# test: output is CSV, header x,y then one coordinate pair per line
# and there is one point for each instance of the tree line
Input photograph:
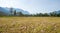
x,y
15,13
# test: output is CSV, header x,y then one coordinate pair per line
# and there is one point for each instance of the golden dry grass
x,y
29,24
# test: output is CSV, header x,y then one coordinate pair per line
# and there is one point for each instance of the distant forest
x,y
20,14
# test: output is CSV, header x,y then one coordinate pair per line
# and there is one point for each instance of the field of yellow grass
x,y
29,24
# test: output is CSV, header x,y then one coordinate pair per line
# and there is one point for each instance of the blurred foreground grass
x,y
29,24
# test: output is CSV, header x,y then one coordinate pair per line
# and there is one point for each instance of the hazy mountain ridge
x,y
7,10
57,12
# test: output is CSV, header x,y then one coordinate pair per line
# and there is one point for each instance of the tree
x,y
2,13
45,14
40,14
58,15
20,13
14,12
11,11
53,14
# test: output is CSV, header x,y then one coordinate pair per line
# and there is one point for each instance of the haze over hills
x,y
57,12
7,10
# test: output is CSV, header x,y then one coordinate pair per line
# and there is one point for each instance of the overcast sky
x,y
32,6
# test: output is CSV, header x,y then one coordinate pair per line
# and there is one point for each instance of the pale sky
x,y
32,6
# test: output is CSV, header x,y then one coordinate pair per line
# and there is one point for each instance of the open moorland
x,y
29,24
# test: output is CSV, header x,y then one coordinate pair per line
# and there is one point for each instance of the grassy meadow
x,y
29,24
